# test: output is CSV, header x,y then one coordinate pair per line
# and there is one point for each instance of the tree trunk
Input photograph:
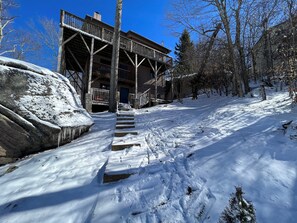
x,y
115,59
263,92
267,52
1,22
237,80
253,58
206,56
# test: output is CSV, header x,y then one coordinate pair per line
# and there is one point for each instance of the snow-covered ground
x,y
192,156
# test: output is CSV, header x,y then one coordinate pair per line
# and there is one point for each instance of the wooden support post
x,y
136,77
156,70
88,96
156,79
61,46
91,66
172,92
136,64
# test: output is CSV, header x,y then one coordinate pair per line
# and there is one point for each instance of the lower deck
x,y
101,97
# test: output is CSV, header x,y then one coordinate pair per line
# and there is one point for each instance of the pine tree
x,y
184,61
184,50
239,209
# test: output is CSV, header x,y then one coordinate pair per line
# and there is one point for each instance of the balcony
x,y
91,29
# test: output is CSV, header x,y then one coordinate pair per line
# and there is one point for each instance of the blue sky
x,y
146,17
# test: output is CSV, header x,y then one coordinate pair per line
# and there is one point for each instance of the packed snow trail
x,y
192,156
211,146
58,185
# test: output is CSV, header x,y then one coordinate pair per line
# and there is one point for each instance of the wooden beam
x,y
75,80
83,39
151,65
72,76
159,68
73,70
81,69
129,58
91,66
141,62
69,39
102,48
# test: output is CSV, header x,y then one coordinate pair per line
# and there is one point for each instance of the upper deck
x,y
101,33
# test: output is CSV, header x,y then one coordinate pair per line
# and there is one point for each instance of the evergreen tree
x,y
184,61
239,210
184,50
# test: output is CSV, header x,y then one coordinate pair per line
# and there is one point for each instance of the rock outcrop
x,y
39,109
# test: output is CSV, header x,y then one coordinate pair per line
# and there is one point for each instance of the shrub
x,y
239,209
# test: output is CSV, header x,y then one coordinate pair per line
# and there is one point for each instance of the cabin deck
x,y
76,23
85,51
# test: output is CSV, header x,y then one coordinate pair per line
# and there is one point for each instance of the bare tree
x,y
285,41
222,8
188,12
5,21
243,23
251,34
46,35
25,45
15,43
200,73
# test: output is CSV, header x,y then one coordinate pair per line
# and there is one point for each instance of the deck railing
x,y
101,96
145,98
72,21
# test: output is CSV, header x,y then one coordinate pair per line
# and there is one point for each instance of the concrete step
x,y
125,114
119,118
122,134
125,126
129,122
118,147
108,178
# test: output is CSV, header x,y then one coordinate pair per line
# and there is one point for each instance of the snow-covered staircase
x,y
125,149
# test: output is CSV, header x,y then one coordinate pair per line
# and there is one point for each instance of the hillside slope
x,y
192,155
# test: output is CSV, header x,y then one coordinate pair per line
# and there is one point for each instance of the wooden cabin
x,y
275,52
85,52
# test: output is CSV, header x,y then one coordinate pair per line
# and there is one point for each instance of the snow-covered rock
x,y
39,109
